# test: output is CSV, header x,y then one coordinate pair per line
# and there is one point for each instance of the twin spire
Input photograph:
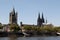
x,y
40,17
40,20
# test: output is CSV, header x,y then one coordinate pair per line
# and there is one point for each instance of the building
x,y
13,17
40,20
13,20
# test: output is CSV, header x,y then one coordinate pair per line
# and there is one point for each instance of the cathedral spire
x,y
39,15
13,10
39,21
42,18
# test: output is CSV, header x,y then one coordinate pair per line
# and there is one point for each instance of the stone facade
x,y
13,17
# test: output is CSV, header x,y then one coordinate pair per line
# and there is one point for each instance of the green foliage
x,y
14,27
57,29
27,27
1,26
48,28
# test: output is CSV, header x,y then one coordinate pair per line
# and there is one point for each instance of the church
x,y
13,17
40,21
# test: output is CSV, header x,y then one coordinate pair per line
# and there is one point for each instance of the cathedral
x,y
40,20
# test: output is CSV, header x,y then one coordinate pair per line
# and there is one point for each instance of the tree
x,y
14,27
57,29
27,27
1,26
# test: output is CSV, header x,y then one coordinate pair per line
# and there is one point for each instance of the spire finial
x,y
42,14
13,9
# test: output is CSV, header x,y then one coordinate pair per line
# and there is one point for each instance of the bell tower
x,y
13,17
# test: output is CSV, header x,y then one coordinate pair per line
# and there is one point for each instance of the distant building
x,y
40,21
13,17
13,20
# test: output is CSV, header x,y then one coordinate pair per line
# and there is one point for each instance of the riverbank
x,y
20,34
8,34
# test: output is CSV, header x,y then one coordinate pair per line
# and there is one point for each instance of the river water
x,y
31,38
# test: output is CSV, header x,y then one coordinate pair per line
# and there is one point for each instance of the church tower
x,y
13,17
39,20
43,18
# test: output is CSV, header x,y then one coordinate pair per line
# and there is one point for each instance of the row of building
x,y
13,20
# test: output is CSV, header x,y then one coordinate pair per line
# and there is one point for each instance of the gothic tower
x,y
43,18
13,17
39,20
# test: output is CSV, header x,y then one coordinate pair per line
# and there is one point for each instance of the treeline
x,y
46,28
49,28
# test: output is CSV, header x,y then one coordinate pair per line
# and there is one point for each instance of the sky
x,y
28,10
